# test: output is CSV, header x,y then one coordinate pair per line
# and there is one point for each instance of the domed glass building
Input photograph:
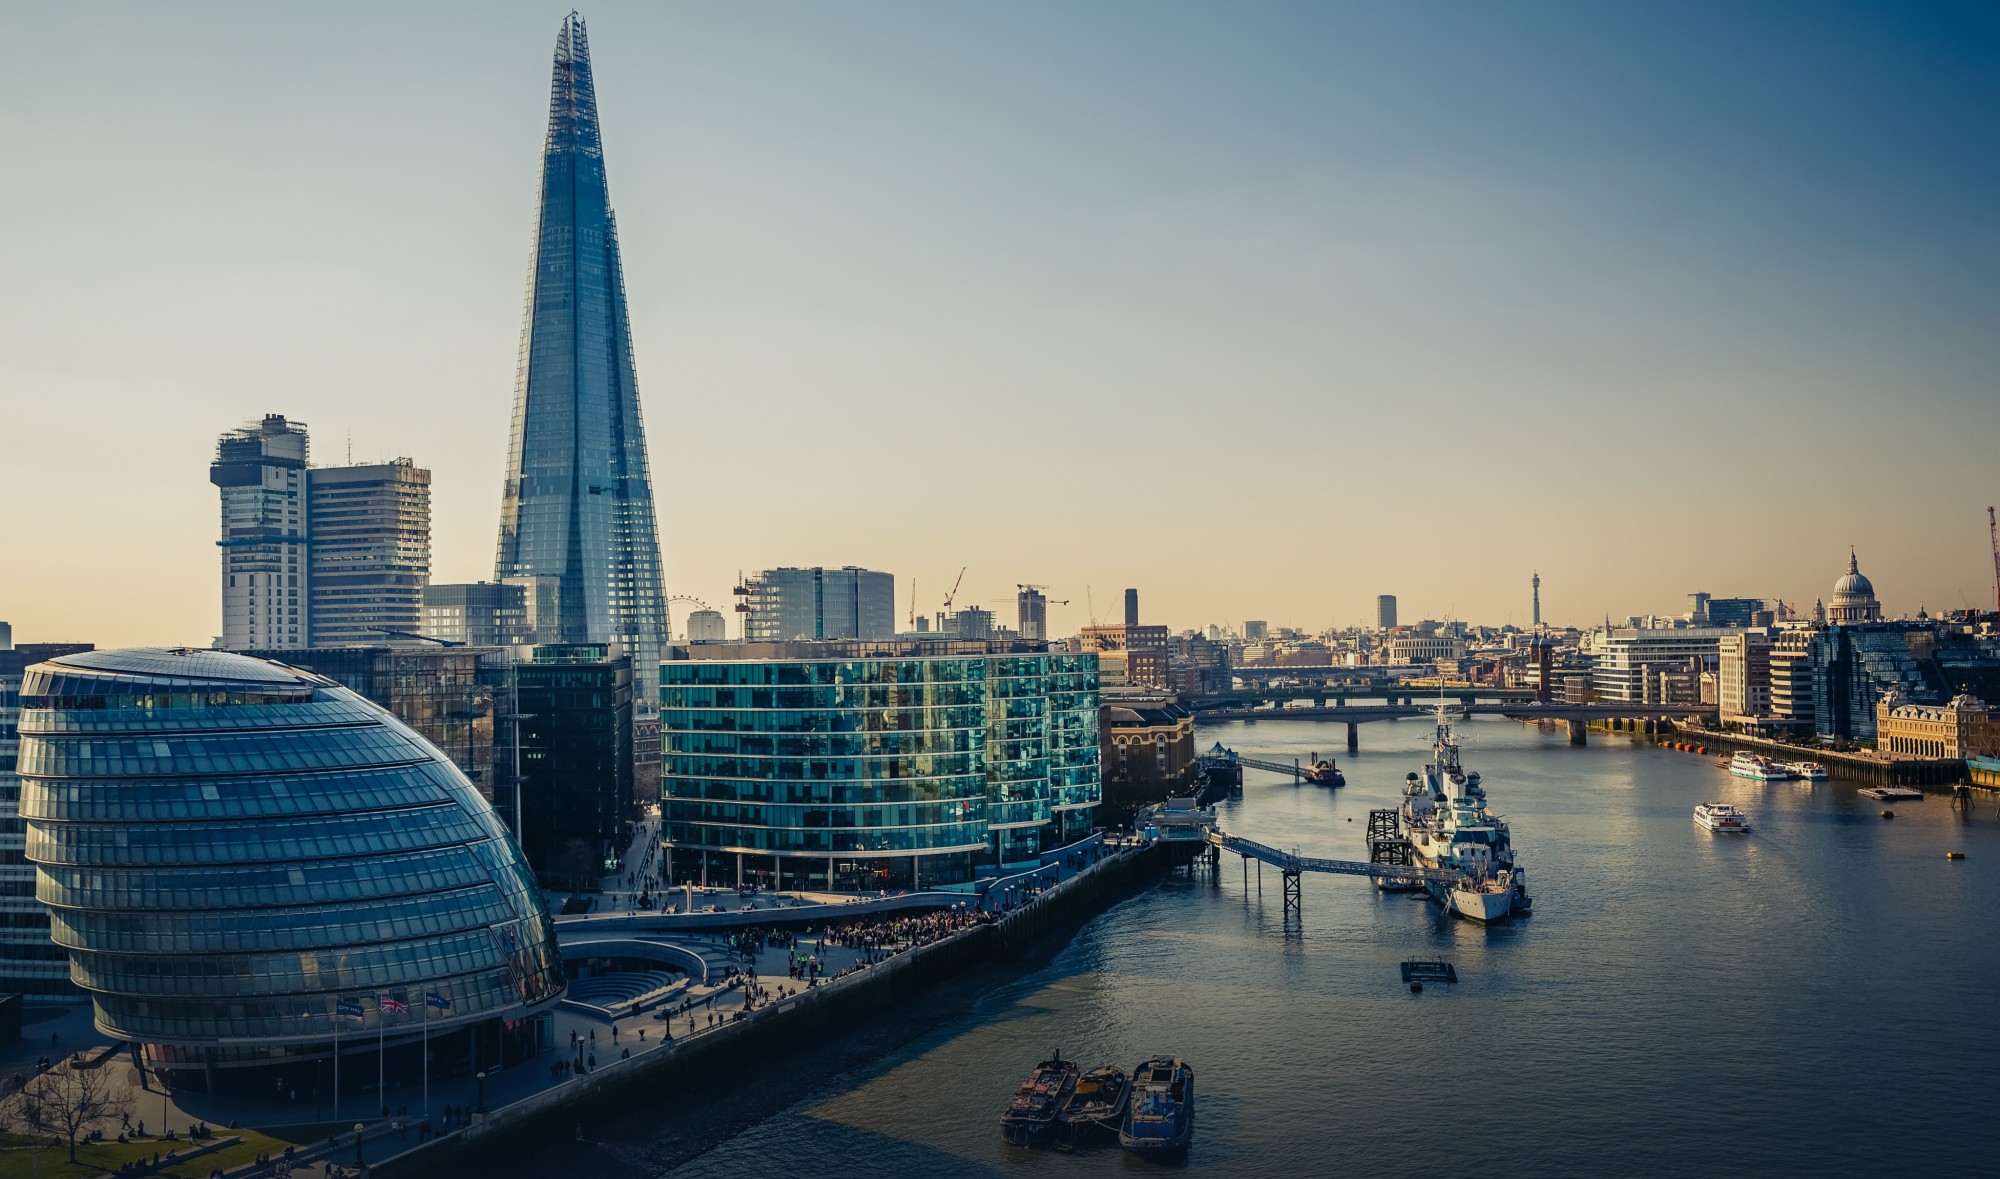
x,y
247,862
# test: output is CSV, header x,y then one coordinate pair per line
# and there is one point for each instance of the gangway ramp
x,y
1291,865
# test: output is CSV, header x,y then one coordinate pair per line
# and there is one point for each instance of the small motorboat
x,y
1807,771
1722,818
1031,1115
1160,1119
1891,793
1096,1106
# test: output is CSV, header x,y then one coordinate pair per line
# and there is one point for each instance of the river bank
x,y
715,1084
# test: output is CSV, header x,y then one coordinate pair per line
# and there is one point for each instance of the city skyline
x,y
1270,251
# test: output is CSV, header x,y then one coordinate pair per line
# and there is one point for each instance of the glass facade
x,y
232,849
873,772
578,500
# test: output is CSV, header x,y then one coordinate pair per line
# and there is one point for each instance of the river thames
x,y
1814,998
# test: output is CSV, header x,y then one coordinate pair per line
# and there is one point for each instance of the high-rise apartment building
x,y
577,504
369,536
846,603
1385,612
1032,608
261,471
322,556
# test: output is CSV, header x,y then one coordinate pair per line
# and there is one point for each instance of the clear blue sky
x,y
1265,309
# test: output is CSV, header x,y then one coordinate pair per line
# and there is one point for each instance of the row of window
x,y
142,801
271,840
698,672
824,841
263,885
227,976
313,1016
51,757
244,931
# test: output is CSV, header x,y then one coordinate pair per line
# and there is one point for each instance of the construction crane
x,y
954,587
1993,526
1091,600
913,604
1029,585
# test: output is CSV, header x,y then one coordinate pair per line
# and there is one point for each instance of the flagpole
x,y
336,1059
427,1055
381,1032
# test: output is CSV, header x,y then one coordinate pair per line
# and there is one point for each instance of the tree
x,y
67,1102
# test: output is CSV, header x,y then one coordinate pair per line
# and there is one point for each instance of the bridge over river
x,y
1576,716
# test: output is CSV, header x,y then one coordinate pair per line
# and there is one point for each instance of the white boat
x,y
1750,765
1809,771
1444,812
1721,817
1892,793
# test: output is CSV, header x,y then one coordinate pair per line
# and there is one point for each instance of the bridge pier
x,y
1293,903
1353,737
1577,729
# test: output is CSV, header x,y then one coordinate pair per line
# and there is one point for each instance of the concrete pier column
x,y
829,874
1577,729
667,865
739,870
1353,737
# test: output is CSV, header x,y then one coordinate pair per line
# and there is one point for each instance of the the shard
x,y
578,502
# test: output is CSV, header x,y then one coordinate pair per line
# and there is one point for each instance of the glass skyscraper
x,y
578,500
245,861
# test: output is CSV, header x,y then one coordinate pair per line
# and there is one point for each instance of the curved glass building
x,y
246,861
821,767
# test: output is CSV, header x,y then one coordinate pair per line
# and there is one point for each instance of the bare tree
x,y
67,1102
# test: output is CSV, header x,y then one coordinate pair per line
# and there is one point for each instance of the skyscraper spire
x,y
578,500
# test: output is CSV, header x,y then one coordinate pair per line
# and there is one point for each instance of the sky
x,y
1265,309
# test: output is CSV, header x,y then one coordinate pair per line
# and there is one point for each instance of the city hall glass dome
x,y
245,860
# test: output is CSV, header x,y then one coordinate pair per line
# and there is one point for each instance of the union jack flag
x,y
392,1003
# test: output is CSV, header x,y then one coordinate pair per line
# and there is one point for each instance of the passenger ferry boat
x,y
1444,811
1750,765
1032,1113
1721,818
1160,1119
1808,771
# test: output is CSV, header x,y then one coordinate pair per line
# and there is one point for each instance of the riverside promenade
x,y
740,1003
531,1106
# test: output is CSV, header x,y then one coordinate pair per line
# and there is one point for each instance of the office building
x,y
1622,658
973,622
1791,664
1409,650
577,504
788,605
1032,613
1131,607
859,765
260,470
1256,630
1141,649
369,535
6,636
1147,753
245,861
1385,612
706,626
1743,675
491,613
30,964
578,760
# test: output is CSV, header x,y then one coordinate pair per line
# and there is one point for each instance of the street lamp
x,y
482,1090
358,1129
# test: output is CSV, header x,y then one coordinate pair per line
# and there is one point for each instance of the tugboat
x,y
1032,1113
1444,812
1097,1105
1160,1121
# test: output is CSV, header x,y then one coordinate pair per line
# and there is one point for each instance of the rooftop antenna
x,y
350,448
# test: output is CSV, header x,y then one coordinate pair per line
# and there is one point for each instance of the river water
x,y
1815,998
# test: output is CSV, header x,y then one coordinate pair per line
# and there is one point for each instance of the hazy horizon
x,y
1264,309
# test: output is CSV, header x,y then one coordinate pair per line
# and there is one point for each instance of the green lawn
x,y
51,1162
